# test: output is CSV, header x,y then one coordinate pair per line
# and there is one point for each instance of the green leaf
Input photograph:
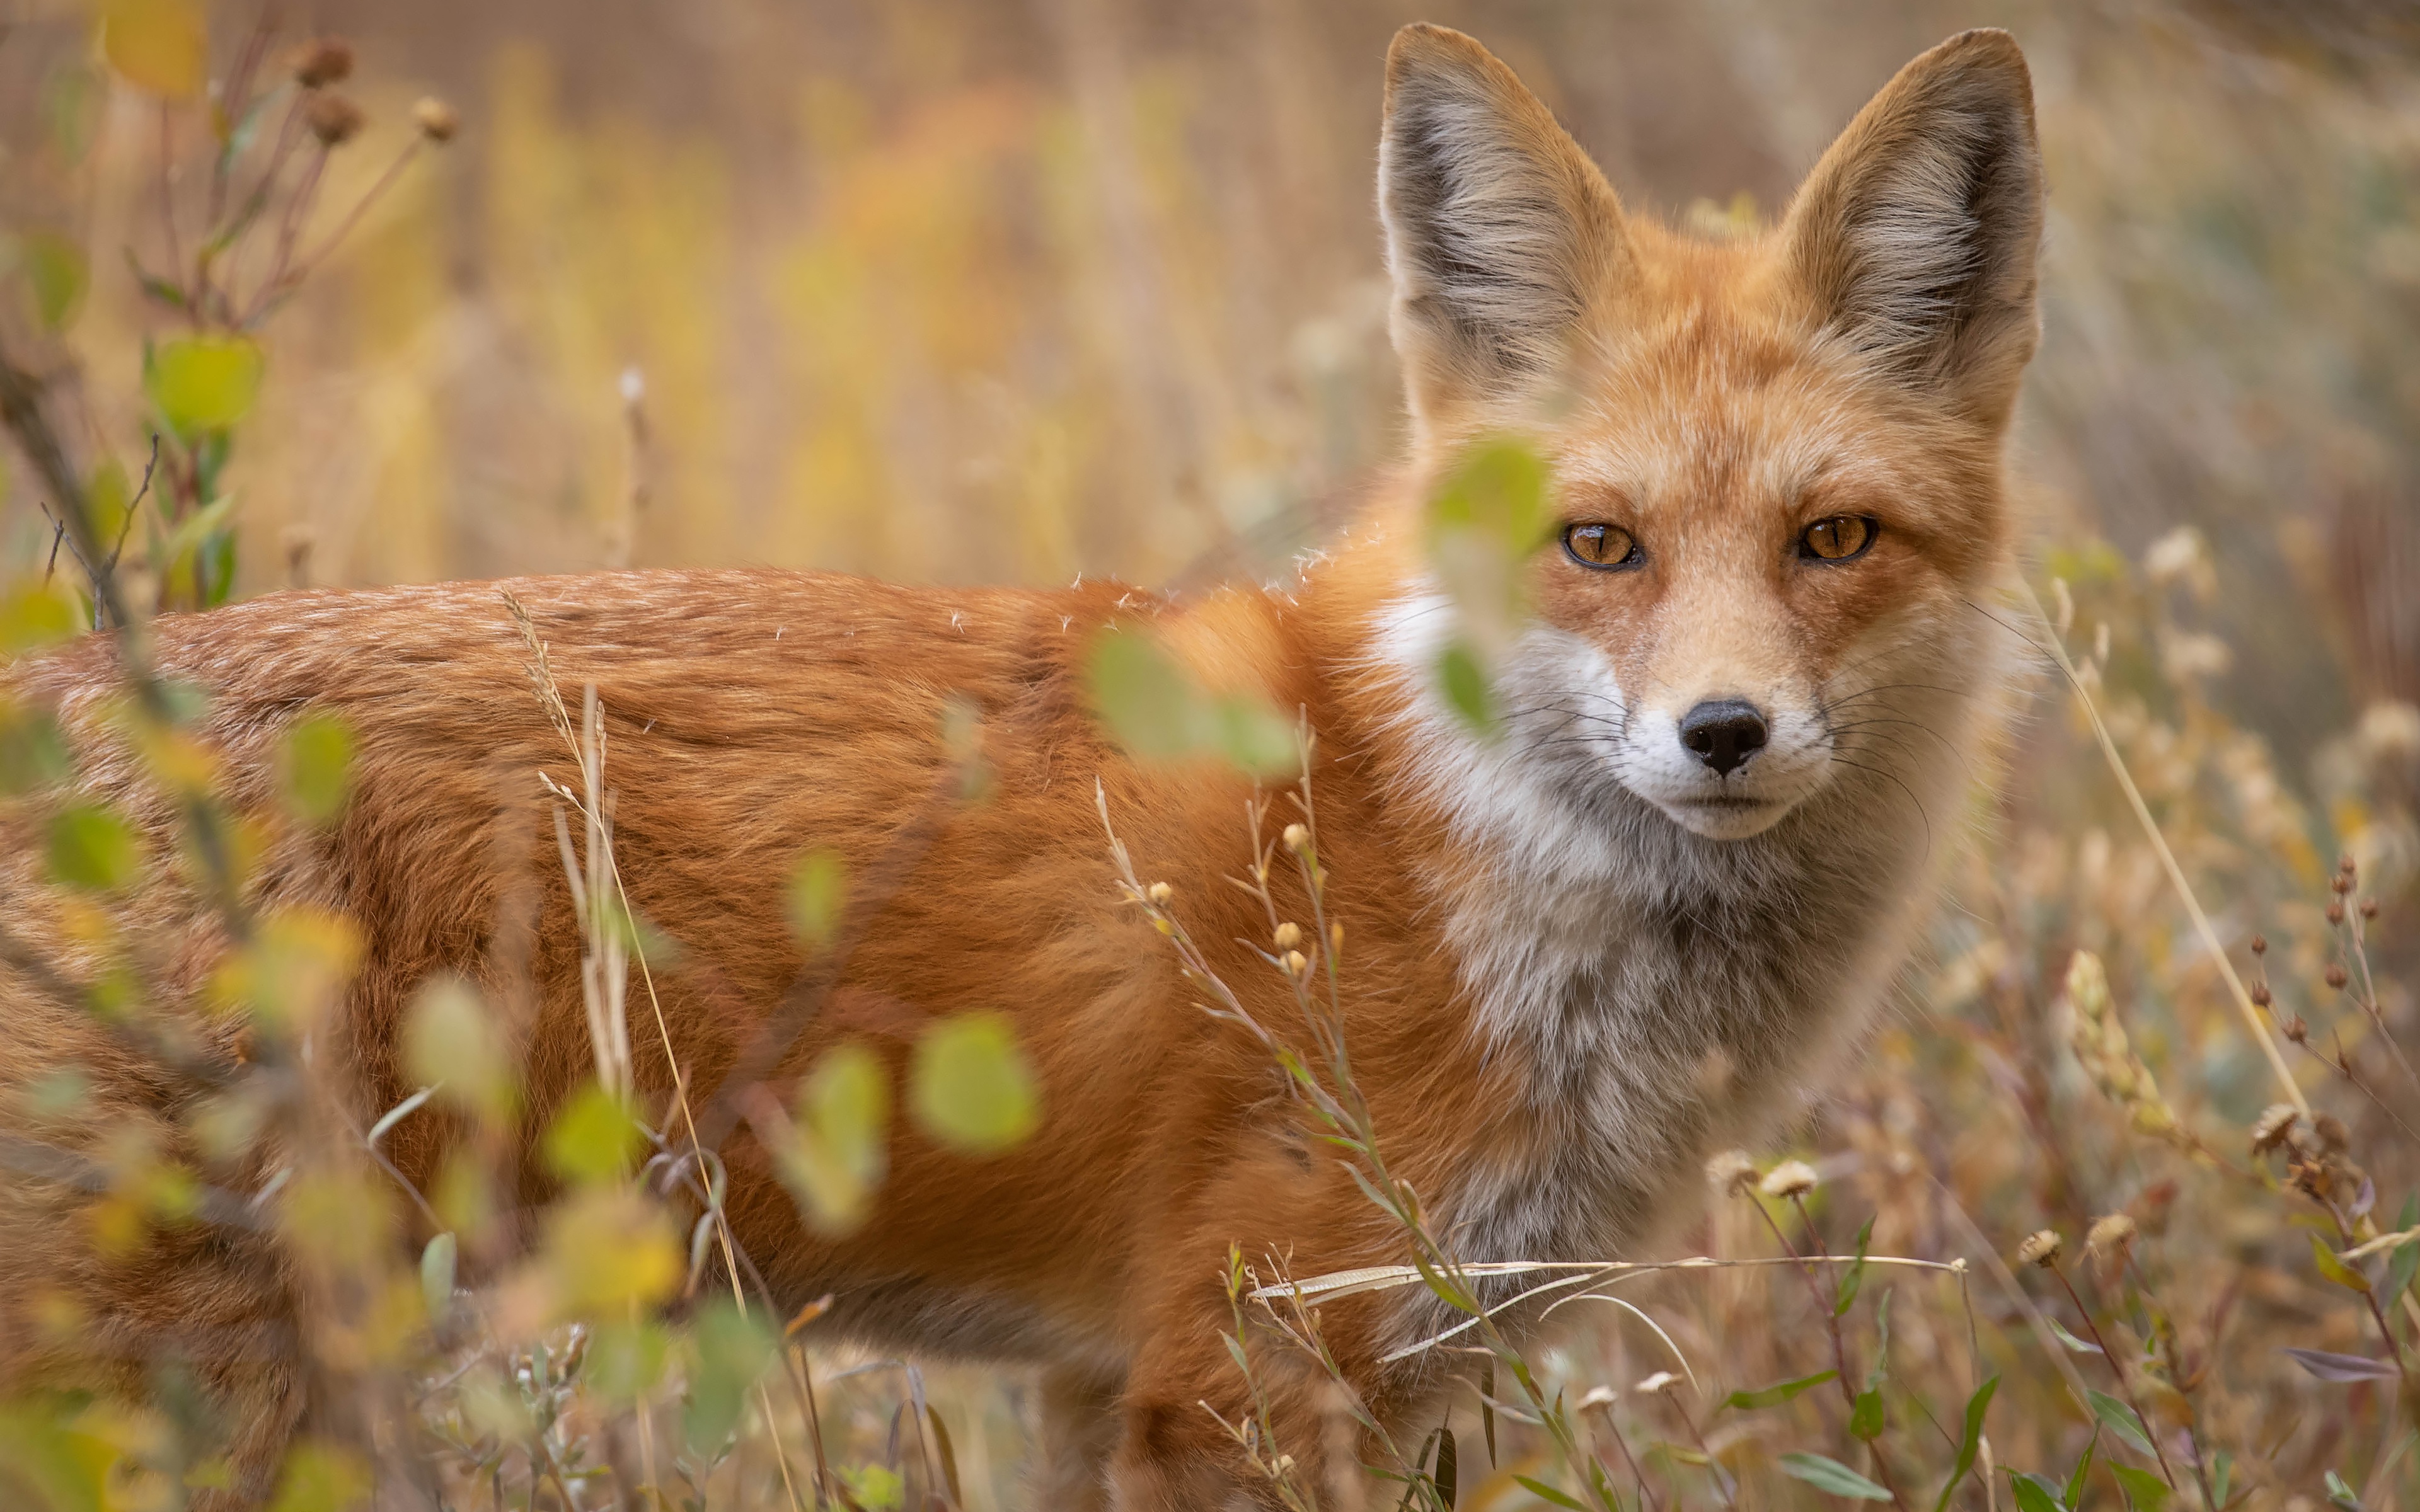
x,y
1547,1494
33,752
1970,1441
2083,1468
320,1478
91,847
1463,682
1487,1406
730,1352
2342,1496
2145,1492
594,1138
56,274
2075,1345
2121,1420
203,383
2406,1259
34,614
2034,1494
1880,1369
1776,1394
1154,710
2222,1465
970,1087
838,1150
2335,1269
1854,1276
437,1261
818,898
1447,1465
1832,1476
1865,1415
626,1359
451,1043
316,765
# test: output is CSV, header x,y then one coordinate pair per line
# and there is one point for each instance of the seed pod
x,y
2270,1130
2335,976
333,118
323,61
1289,935
1296,837
436,119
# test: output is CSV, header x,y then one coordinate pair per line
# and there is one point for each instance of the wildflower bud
x,y
1335,936
2335,913
1289,935
2270,1130
322,62
1731,1172
2261,994
2109,1236
1296,837
2345,863
2339,885
2335,976
2260,945
2041,1248
1295,966
2332,1132
1657,1383
436,119
1790,1179
2295,1028
1159,893
2369,908
333,118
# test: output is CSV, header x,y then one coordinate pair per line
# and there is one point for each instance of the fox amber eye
x,y
1600,545
1840,537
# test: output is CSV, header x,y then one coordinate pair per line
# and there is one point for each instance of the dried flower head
x,y
1662,1381
1731,1172
322,61
2260,998
1790,1179
436,119
1597,1396
333,118
2334,1136
1159,893
2270,1130
2335,913
2110,1235
2340,883
2335,974
1294,963
1296,837
2040,1247
1289,935
2369,908
2295,1028
2260,945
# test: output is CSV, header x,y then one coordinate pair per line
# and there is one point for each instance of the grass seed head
x,y
1294,963
1790,1179
1159,893
2041,1248
2110,1235
1296,837
1289,935
1731,1172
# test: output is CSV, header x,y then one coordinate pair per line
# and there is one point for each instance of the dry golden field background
x,y
963,292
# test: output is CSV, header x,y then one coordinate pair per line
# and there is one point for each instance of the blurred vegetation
x,y
946,291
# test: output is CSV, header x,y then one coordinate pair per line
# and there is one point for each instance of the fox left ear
x,y
1917,233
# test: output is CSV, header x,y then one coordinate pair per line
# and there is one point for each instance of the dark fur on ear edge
x,y
1917,233
1497,225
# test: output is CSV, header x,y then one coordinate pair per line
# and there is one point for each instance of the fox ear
x,y
1498,227
1917,232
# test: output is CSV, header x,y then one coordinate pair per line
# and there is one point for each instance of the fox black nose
x,y
1723,734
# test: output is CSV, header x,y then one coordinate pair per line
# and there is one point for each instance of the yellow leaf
x,y
973,1091
203,383
159,45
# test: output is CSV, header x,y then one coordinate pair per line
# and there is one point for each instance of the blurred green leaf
x,y
321,1477
626,1360
594,1138
1485,522
451,1041
2075,1477
1463,682
818,898
608,1249
1827,1474
91,847
1854,1276
2145,1492
836,1154
972,1089
34,615
1154,711
159,45
2406,1259
1970,1441
875,1488
2119,1419
316,765
1498,491
1547,1494
203,383
730,1351
2075,1345
437,1262
45,1448
1775,1396
2222,1475
70,94
2336,1270
56,274
2342,1496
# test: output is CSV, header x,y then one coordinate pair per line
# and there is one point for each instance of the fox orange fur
x,y
1631,929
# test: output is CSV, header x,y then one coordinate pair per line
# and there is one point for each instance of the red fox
x,y
1633,928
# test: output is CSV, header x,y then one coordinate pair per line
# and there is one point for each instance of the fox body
x,y
1634,927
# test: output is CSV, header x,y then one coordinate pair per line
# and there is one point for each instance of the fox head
x,y
1775,459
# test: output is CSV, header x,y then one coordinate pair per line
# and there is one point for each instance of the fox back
x,y
1633,922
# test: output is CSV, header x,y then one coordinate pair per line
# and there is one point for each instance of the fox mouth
x,y
1726,800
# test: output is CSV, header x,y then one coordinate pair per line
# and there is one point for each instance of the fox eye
x,y
1602,546
1840,537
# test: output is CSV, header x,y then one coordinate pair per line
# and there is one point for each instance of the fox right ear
x,y
1498,227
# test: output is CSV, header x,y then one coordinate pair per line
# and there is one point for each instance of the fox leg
x,y
1076,1406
